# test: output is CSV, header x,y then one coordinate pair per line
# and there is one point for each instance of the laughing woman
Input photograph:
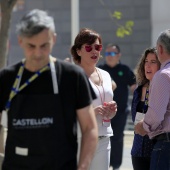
x,y
86,54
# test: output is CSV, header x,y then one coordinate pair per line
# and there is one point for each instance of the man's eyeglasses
x,y
88,48
112,54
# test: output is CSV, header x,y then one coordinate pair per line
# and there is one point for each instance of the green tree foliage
x,y
123,30
116,16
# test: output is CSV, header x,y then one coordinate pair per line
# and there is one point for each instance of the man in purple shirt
x,y
157,119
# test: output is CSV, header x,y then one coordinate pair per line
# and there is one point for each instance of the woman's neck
x,y
147,84
89,70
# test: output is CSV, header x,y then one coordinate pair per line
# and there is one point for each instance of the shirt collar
x,y
165,63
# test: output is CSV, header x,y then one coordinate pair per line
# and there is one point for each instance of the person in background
x,y
86,53
156,122
142,146
124,79
42,97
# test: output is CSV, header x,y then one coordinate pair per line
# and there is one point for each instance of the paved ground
x,y
128,139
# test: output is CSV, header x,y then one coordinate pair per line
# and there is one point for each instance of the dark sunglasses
x,y
112,54
88,48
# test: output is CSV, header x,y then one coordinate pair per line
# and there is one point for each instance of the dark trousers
x,y
141,163
118,124
160,158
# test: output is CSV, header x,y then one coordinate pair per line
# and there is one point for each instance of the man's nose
x,y
38,52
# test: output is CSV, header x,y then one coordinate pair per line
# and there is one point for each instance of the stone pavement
x,y
128,139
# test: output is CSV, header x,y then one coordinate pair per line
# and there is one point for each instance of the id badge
x,y
4,119
21,151
139,117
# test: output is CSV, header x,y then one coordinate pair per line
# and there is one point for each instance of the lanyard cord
x,y
102,99
16,89
100,93
100,82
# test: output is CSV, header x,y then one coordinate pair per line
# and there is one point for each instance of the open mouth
x,y
94,57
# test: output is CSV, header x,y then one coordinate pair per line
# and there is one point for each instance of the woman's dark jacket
x,y
142,145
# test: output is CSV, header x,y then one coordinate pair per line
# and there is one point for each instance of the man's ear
x,y
119,55
160,49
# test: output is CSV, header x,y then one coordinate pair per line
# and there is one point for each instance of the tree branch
x,y
6,10
109,12
7,4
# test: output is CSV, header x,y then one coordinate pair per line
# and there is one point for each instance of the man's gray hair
x,y
164,40
34,22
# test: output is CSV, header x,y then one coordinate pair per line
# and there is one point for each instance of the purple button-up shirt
x,y
157,118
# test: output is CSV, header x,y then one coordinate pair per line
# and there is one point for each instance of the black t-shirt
x,y
123,77
74,92
74,88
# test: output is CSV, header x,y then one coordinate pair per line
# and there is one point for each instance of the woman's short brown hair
x,y
85,36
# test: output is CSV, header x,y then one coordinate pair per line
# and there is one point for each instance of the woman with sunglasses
x,y
86,54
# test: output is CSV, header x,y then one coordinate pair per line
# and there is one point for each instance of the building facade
x,y
93,14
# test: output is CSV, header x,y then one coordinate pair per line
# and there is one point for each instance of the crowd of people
x,y
71,114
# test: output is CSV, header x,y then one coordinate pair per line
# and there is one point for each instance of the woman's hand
x,y
107,111
111,109
99,110
139,129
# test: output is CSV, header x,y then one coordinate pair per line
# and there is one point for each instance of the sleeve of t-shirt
x,y
92,91
7,77
85,93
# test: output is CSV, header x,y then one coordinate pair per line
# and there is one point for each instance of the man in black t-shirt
x,y
41,98
124,79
